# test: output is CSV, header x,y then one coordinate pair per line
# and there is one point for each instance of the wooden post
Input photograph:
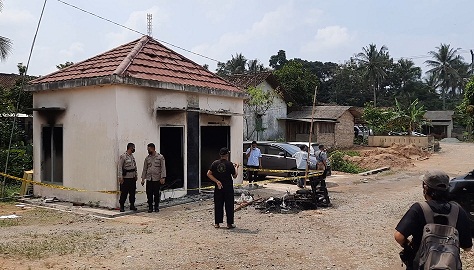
x,y
310,136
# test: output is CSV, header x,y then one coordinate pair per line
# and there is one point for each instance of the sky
x,y
314,30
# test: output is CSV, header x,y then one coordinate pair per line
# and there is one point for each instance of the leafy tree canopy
x,y
298,82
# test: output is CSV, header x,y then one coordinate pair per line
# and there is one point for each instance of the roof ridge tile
x,y
127,61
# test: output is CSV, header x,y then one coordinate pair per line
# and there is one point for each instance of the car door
x,y
273,159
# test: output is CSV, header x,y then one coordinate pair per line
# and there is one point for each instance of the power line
x,y
19,97
136,31
461,51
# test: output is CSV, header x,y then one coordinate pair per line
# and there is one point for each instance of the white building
x,y
140,92
264,126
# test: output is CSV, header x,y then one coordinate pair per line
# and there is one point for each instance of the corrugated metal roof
x,y
321,112
143,59
247,80
439,115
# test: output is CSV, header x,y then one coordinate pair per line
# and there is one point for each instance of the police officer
x,y
127,174
154,172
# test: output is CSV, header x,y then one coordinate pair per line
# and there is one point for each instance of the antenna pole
x,y
149,18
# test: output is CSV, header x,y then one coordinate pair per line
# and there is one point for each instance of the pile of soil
x,y
395,156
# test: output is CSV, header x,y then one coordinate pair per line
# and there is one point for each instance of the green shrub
x,y
339,164
20,160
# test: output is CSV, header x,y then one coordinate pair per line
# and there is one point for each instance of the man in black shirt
x,y
435,190
221,173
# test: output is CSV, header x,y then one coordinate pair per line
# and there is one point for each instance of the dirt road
x,y
357,233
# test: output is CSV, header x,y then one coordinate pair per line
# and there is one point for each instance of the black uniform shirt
x,y
413,222
223,170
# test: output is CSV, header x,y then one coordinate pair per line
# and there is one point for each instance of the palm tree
x,y
432,81
254,66
236,65
5,43
374,63
407,71
443,65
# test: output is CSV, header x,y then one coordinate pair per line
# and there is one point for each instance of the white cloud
x,y
313,16
276,24
74,49
218,13
15,17
328,38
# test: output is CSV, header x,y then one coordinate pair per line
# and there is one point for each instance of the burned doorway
x,y
52,154
172,148
213,138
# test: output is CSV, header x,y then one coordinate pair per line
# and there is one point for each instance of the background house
x,y
333,125
263,126
141,92
441,124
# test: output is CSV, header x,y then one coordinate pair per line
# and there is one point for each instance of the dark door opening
x,y
171,147
52,154
213,138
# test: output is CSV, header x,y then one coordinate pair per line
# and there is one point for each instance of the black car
x,y
461,190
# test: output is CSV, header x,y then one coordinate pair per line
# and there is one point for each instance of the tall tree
x,y
298,82
5,43
279,60
374,63
465,110
254,66
236,65
443,65
348,86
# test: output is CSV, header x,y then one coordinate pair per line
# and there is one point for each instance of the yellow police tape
x,y
313,173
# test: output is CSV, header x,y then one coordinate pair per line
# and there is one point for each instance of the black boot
x,y
122,208
157,209
150,208
132,207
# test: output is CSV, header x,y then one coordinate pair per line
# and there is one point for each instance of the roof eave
x,y
115,79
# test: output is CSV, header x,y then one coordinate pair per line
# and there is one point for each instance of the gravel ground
x,y
356,233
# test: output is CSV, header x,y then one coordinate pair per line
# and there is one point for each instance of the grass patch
x,y
38,246
11,190
339,164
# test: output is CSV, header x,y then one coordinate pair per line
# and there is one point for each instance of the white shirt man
x,y
301,163
254,161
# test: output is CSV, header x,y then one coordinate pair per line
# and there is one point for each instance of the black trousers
x,y
128,188
253,175
153,193
224,198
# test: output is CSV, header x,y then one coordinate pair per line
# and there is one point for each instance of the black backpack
x,y
439,248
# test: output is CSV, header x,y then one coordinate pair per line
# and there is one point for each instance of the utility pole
x,y
149,18
310,136
472,61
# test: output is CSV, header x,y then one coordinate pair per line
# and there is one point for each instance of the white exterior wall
x,y
216,103
100,121
274,129
138,123
89,142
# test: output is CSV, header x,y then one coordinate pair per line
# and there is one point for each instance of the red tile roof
x,y
8,80
144,61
